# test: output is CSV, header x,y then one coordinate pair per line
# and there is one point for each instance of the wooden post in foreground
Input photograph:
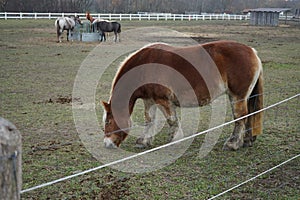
x,y
10,161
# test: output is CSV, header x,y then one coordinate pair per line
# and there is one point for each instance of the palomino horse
x,y
230,67
103,26
66,23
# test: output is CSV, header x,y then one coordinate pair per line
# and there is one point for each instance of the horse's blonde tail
x,y
255,103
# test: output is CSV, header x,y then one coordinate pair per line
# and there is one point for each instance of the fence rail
x,y
120,17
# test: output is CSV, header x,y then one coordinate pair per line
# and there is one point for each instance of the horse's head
x,y
77,20
114,135
89,17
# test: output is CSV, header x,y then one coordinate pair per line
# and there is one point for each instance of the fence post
x,y
10,161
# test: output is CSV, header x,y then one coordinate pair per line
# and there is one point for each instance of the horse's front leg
x,y
169,111
116,36
71,33
103,37
175,132
236,140
148,134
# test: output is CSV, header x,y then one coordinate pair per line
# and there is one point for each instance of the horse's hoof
x,y
143,143
229,147
232,144
248,142
140,146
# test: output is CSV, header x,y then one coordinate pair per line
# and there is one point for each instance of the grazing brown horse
x,y
211,70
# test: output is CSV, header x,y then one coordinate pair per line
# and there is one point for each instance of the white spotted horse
x,y
66,23
240,77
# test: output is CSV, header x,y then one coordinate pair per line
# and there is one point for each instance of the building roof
x,y
269,10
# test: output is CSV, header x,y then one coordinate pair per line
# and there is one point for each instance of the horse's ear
x,y
106,106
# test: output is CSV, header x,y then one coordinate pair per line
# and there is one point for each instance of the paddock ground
x,y
37,76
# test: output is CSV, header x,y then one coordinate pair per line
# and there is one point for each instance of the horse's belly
x,y
190,99
197,97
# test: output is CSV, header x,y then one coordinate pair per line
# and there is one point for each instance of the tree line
x,y
134,6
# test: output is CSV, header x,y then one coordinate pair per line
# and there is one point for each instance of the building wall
x,y
264,18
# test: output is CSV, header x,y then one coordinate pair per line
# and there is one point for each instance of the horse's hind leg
x,y
59,33
149,131
236,140
68,35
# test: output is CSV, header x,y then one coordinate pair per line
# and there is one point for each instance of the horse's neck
x,y
91,19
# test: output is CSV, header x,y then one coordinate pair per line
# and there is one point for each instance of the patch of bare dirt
x,y
58,100
201,40
50,146
115,188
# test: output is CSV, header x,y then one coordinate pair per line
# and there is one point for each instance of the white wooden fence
x,y
120,17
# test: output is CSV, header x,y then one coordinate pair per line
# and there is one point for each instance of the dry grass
x,y
37,76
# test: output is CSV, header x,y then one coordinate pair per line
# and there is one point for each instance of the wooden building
x,y
266,16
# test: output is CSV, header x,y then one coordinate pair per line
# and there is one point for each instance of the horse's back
x,y
107,26
221,65
229,56
238,64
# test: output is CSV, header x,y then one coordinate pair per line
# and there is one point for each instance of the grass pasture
x,y
36,83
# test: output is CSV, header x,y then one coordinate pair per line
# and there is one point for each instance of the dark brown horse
x,y
210,70
104,26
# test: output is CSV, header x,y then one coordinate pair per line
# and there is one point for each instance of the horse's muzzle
x,y
109,144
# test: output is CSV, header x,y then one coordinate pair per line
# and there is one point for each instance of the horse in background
x,y
93,24
226,68
107,26
66,23
103,26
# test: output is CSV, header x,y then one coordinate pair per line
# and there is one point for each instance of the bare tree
x,y
3,4
133,6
